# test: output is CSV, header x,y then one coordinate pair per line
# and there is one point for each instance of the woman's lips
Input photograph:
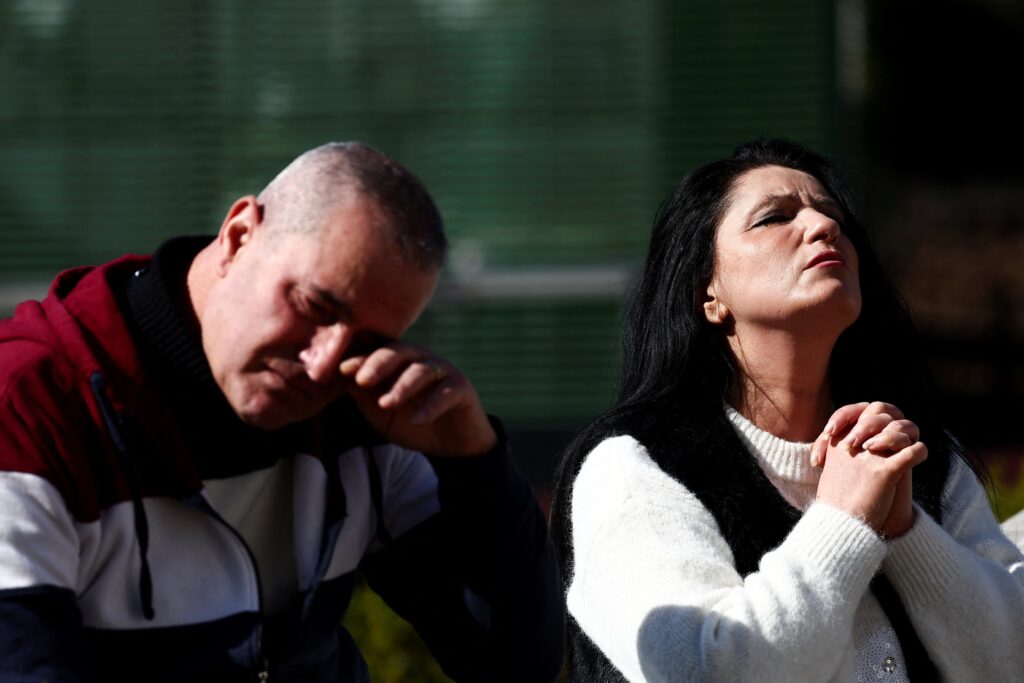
x,y
826,259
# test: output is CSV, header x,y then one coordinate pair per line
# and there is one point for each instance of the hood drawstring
x,y
117,429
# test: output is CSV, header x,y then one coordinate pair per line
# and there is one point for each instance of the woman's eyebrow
x,y
770,201
826,202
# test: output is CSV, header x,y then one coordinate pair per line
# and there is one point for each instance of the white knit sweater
x,y
655,588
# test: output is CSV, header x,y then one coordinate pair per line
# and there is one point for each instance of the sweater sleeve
x,y
478,579
41,634
40,625
655,588
963,585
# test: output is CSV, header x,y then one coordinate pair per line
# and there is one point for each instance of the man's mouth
x,y
290,382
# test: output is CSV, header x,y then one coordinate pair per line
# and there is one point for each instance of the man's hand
x,y
868,452
419,401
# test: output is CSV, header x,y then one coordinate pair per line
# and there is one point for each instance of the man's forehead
x,y
362,280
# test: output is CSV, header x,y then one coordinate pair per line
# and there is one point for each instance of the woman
x,y
703,537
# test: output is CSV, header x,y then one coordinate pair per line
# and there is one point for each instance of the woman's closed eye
x,y
771,219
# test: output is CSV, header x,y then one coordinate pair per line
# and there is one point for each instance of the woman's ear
x,y
716,312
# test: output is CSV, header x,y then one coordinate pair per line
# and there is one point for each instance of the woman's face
x,y
782,260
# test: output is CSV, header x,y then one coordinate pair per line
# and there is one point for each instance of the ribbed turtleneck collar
x,y
157,307
780,459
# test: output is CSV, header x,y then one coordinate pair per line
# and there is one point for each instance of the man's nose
x,y
820,226
325,350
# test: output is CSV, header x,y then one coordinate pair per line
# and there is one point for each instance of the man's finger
x,y
387,361
413,380
350,366
442,398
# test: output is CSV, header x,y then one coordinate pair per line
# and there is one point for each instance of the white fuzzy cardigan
x,y
655,588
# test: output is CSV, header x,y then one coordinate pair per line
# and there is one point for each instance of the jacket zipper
x,y
264,672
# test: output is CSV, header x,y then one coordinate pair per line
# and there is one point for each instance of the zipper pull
x,y
264,675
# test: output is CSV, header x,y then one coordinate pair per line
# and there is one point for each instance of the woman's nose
x,y
324,353
820,226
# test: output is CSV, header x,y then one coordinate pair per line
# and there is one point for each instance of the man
x,y
200,451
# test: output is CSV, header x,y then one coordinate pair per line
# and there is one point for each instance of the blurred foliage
x,y
393,651
1007,490
391,647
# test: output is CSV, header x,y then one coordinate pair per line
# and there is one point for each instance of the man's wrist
x,y
488,438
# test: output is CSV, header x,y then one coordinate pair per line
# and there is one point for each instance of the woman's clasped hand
x,y
867,453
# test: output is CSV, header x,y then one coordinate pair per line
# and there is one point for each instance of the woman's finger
x,y
819,448
896,436
843,418
909,457
837,424
881,407
868,425
887,442
863,421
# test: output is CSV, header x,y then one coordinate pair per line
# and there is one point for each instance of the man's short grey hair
x,y
301,197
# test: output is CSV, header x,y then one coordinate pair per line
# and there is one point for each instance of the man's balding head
x,y
302,197
339,254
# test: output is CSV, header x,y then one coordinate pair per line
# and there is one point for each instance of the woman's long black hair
x,y
673,355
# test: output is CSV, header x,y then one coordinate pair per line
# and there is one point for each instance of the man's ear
x,y
716,312
237,229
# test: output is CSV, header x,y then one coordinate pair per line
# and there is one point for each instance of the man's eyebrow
x,y
330,300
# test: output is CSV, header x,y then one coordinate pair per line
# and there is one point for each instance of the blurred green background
x,y
548,132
